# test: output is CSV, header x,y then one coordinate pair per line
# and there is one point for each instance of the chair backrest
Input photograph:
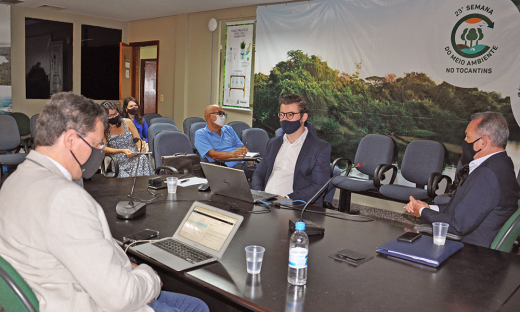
x,y
24,123
34,120
239,126
156,128
188,122
373,150
162,120
169,142
9,133
421,159
508,233
193,128
149,116
255,139
15,294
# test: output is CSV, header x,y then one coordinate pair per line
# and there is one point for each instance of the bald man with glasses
x,y
219,141
297,164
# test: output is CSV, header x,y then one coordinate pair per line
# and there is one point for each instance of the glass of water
x,y
254,257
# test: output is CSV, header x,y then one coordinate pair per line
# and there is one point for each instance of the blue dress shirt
x,y
142,129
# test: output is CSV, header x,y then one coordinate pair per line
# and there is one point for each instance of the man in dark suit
x,y
297,164
489,195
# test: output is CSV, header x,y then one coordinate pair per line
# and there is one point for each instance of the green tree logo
x,y
472,26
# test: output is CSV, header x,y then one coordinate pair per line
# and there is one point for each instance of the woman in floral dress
x,y
120,135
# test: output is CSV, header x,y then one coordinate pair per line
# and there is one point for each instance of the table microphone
x,y
312,228
130,210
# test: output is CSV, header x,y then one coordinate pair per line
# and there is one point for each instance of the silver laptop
x,y
232,183
202,237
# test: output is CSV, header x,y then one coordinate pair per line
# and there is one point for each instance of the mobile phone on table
x,y
409,237
142,235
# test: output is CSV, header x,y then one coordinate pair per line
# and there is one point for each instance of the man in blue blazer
x,y
489,195
297,164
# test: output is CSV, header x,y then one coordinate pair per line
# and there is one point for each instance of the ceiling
x,y
132,10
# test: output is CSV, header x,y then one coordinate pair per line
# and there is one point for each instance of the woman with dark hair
x,y
131,111
121,143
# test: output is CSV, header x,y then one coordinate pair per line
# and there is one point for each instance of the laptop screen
x,y
208,228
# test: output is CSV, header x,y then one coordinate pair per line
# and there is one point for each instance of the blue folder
x,y
422,250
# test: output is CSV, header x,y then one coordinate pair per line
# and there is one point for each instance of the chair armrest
x,y
434,181
28,144
428,229
379,174
116,166
172,169
336,161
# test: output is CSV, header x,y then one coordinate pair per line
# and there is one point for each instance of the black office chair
x,y
508,234
374,154
193,128
255,140
152,132
168,143
15,294
9,142
239,126
29,142
188,122
149,116
423,162
162,120
24,128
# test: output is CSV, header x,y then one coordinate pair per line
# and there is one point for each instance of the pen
x,y
185,180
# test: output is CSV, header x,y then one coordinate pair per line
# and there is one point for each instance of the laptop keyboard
x,y
182,251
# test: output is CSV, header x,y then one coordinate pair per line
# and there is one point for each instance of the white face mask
x,y
221,121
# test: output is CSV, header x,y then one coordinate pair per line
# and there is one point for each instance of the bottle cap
x,y
300,226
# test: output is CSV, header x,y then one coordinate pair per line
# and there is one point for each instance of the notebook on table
x,y
202,237
422,250
232,183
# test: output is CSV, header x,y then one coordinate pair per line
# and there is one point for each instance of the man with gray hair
x,y
489,195
56,235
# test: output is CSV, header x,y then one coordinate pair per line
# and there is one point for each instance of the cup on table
x,y
172,184
440,229
254,257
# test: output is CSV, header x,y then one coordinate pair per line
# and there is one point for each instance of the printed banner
x,y
238,69
410,69
6,98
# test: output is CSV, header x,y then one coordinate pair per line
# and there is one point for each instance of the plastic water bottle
x,y
298,255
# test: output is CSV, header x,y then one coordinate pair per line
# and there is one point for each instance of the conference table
x,y
473,279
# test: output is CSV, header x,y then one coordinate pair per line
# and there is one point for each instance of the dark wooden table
x,y
474,279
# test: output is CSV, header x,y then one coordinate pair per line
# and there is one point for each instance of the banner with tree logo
x,y
238,69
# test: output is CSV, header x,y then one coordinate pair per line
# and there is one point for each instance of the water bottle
x,y
298,254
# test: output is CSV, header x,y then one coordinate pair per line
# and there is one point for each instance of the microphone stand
x,y
130,210
312,228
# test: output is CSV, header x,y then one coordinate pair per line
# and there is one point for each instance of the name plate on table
x,y
422,250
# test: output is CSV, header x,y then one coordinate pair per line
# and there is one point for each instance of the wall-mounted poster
x,y
6,99
238,69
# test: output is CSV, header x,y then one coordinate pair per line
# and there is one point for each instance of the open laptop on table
x,y
232,183
202,237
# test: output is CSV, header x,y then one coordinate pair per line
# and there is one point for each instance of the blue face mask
x,y
289,127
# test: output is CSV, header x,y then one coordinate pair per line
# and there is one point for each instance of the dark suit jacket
x,y
482,204
311,172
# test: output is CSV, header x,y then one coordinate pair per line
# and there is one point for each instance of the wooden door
x,y
149,86
126,72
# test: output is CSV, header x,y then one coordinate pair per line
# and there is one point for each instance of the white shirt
x,y
472,166
281,180
65,172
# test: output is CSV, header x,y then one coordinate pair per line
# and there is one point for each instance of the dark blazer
x,y
311,172
482,204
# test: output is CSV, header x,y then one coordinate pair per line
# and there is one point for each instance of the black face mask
x,y
133,111
93,162
115,121
290,127
468,152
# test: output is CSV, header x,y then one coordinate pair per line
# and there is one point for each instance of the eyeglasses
x,y
112,116
99,145
289,115
219,113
